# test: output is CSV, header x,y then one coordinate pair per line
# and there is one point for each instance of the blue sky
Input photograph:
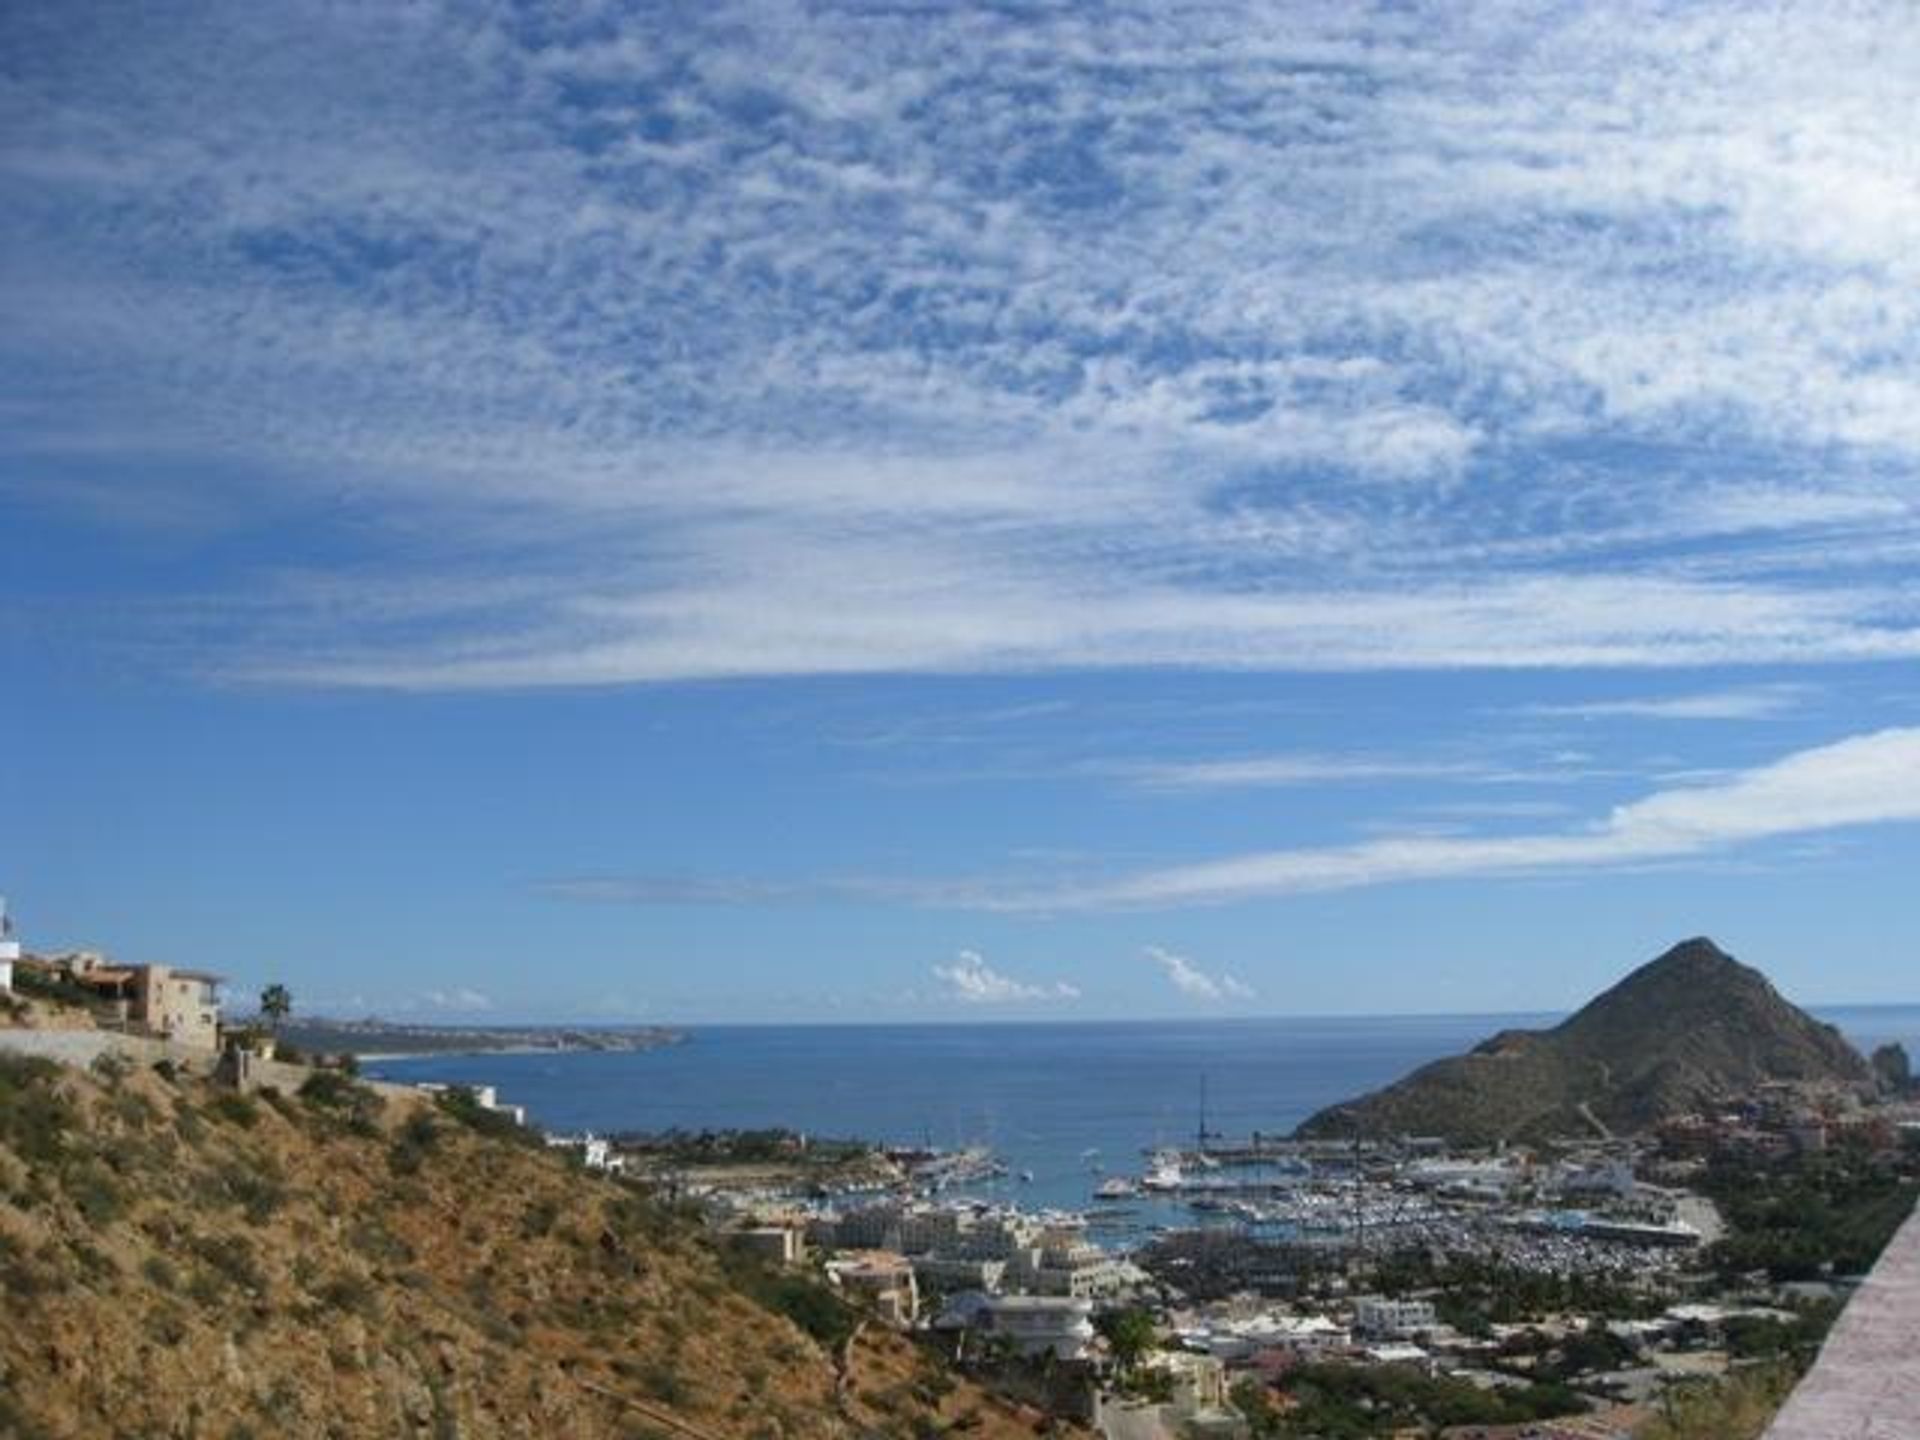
x,y
891,511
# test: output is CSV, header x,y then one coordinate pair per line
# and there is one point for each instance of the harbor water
x,y
1069,1104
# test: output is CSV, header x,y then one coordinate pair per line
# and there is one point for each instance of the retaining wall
x,y
81,1048
1866,1383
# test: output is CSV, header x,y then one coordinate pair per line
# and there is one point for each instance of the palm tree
x,y
276,1003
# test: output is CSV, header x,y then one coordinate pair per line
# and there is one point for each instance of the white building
x,y
1037,1324
1239,1339
484,1096
9,948
1605,1177
1079,1269
595,1153
1375,1315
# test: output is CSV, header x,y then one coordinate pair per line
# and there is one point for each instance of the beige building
x,y
883,1279
182,1005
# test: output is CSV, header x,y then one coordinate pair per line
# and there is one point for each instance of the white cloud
x,y
831,342
970,980
1292,770
1866,779
1763,702
461,999
1192,981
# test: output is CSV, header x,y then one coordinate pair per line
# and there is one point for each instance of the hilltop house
x,y
182,1005
179,1005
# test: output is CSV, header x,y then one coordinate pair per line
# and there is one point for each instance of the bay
x,y
1065,1102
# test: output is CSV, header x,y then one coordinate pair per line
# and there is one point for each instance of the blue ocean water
x,y
1066,1102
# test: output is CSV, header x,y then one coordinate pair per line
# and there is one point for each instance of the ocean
x,y
1067,1103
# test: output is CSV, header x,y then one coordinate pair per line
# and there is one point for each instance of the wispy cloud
x,y
1293,770
970,980
842,341
736,890
461,998
1864,780
1762,702
1190,980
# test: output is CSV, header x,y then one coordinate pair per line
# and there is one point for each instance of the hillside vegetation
x,y
180,1261
1688,1029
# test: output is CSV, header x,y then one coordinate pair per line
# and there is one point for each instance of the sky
x,y
762,512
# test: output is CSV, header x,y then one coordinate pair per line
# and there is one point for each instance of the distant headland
x,y
370,1037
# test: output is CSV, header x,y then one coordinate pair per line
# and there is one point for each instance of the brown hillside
x,y
178,1261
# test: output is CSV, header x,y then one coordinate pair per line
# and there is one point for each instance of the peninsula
x,y
388,1038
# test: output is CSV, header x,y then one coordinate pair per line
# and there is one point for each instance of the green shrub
x,y
94,1193
34,1117
537,1219
353,1294
235,1109
662,1382
228,1258
413,1144
166,1326
258,1195
461,1103
338,1094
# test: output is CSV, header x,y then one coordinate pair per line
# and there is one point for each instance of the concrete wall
x,y
81,1048
1866,1383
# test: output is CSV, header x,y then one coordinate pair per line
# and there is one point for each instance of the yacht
x,y
1116,1187
1165,1172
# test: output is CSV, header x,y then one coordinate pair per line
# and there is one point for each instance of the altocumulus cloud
x,y
972,981
735,340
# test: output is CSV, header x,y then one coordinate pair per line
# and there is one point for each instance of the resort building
x,y
1040,1324
1081,1269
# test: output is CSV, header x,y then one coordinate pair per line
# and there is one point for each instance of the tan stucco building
x,y
181,1005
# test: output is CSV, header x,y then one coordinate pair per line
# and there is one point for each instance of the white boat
x,y
1118,1187
1165,1174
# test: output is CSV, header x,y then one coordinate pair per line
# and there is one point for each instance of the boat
x,y
1117,1187
1165,1174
